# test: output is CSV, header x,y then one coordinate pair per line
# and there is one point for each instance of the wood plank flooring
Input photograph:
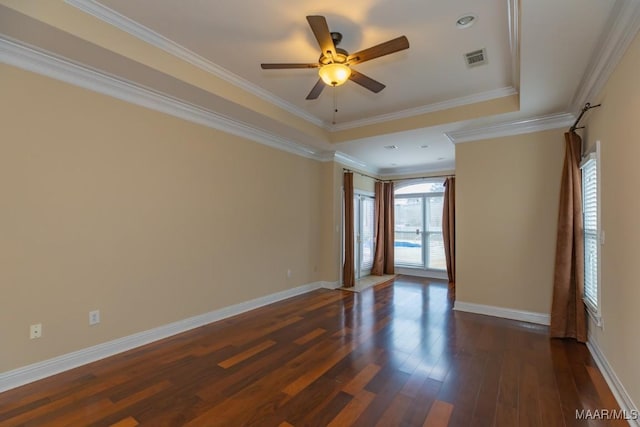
x,y
393,355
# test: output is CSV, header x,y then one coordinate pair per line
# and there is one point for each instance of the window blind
x,y
591,231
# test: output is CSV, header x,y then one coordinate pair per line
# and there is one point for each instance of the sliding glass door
x,y
363,217
418,226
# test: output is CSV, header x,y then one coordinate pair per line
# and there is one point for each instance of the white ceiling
x,y
239,35
547,55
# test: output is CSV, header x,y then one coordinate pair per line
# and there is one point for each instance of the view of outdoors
x,y
365,232
418,226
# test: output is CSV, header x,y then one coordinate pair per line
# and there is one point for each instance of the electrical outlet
x,y
94,317
35,331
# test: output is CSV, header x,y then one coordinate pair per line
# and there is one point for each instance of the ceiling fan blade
x,y
366,82
379,50
320,29
283,66
317,90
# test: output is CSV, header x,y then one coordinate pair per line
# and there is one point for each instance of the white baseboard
x,y
421,272
506,313
46,368
330,285
618,390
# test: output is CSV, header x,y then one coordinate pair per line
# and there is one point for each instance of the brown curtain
x,y
348,271
389,229
383,258
378,238
449,232
568,317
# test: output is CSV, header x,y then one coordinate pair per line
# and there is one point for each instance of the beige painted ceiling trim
x,y
431,108
505,104
621,28
536,124
110,16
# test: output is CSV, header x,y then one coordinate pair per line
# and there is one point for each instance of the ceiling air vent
x,y
477,57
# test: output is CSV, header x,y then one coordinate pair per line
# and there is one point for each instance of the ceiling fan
x,y
335,63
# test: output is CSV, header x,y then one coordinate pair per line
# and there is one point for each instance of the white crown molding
x,y
349,161
513,7
620,30
505,313
35,60
65,362
110,16
438,106
617,388
411,170
345,160
535,124
326,156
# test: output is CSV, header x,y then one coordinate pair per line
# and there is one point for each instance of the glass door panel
x,y
363,229
435,258
409,226
366,234
434,214
436,252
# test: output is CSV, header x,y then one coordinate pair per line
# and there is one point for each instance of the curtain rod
x,y
424,177
362,174
586,108
399,179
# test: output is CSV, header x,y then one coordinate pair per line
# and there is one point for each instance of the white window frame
x,y
425,233
594,310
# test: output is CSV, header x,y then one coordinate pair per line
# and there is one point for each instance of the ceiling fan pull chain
x,y
335,104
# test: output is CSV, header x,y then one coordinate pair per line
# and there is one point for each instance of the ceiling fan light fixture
x,y
334,74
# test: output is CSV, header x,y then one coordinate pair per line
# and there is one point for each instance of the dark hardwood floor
x,y
394,355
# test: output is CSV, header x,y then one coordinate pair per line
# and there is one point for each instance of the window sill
x,y
594,314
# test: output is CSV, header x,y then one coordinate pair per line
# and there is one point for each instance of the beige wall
x,y
507,192
437,174
615,126
363,183
332,216
146,217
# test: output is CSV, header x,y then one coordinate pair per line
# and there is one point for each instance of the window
x,y
591,224
418,225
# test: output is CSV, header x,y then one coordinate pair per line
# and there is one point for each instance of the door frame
x,y
358,198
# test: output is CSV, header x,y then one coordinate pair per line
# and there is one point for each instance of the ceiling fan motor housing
x,y
340,58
